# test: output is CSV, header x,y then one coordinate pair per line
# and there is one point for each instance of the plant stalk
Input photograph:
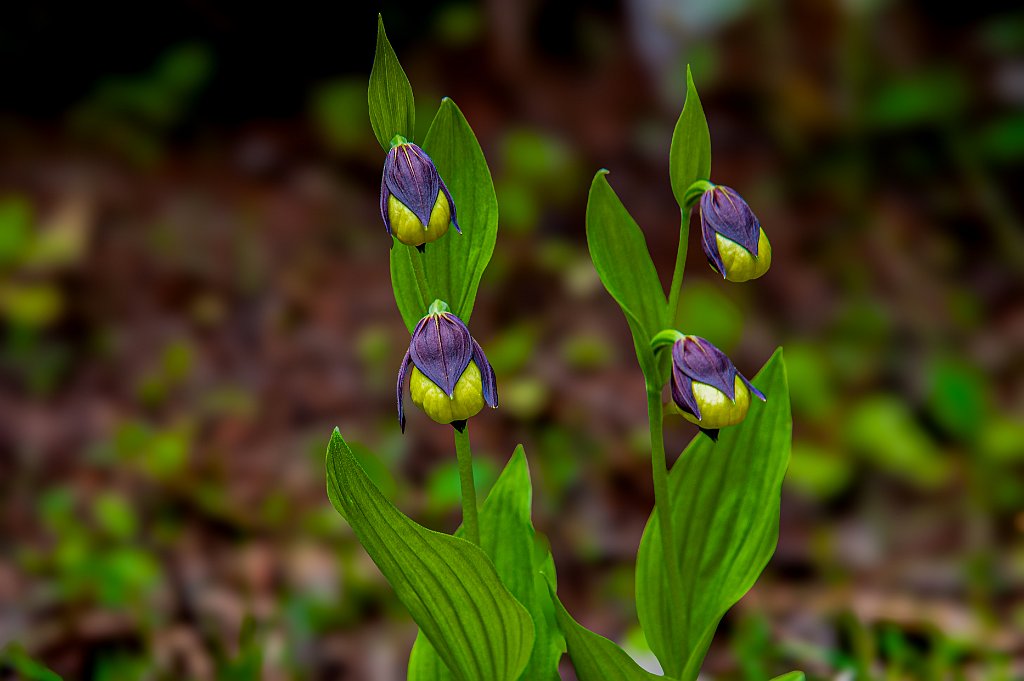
x,y
677,273
659,470
470,518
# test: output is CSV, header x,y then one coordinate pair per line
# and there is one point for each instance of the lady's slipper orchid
x,y
706,387
414,202
451,377
733,240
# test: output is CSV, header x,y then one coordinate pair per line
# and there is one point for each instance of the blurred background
x,y
194,290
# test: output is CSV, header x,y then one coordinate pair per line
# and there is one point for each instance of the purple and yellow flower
x,y
731,234
451,378
706,387
414,202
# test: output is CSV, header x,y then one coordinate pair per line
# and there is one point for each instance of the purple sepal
x,y
406,361
384,196
723,211
442,348
451,204
488,379
410,175
711,433
703,362
682,394
757,393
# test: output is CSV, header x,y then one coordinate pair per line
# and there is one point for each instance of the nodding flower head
x,y
733,240
706,386
451,378
414,201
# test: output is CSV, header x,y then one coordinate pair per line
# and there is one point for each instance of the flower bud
x,y
707,387
414,202
451,378
733,240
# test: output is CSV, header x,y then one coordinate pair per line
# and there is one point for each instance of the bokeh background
x,y
194,290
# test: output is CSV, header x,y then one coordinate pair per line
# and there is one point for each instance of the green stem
x,y
659,469
470,519
677,273
422,285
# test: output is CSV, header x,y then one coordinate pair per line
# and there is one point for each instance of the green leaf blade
x,y
596,658
525,567
448,585
392,111
454,263
689,157
725,512
791,676
619,251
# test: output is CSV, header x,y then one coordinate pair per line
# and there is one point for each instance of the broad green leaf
x,y
524,565
725,513
620,255
791,676
689,157
448,585
455,262
390,96
594,657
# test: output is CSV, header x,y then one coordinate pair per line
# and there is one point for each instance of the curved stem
x,y
421,277
659,469
470,519
677,273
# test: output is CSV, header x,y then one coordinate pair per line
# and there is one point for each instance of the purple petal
x,y
406,361
442,348
704,363
725,212
451,205
411,176
490,382
682,394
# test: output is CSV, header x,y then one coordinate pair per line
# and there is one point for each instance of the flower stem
x,y
677,273
421,277
662,503
470,520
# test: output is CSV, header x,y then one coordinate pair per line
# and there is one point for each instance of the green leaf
x,y
524,566
455,262
725,513
594,657
621,258
390,96
689,158
448,585
791,676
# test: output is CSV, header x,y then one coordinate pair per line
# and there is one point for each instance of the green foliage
x,y
689,157
15,228
392,111
883,429
725,514
594,657
132,114
15,659
455,263
448,585
621,258
524,566
98,556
